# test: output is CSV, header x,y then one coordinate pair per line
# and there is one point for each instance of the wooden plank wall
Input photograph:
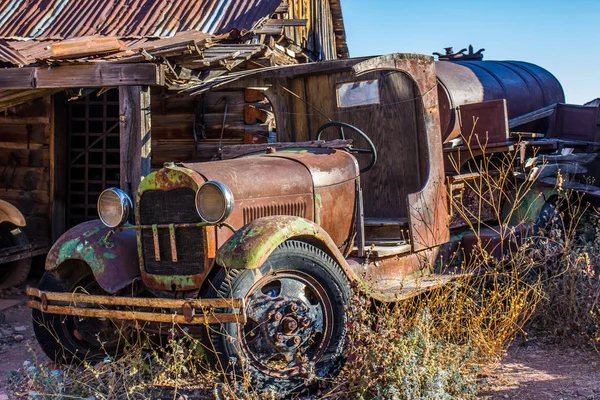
x,y
173,124
392,126
25,141
319,35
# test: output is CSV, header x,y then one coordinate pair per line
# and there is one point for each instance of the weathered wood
x,y
28,157
135,142
250,138
581,158
77,76
283,8
253,115
546,170
254,95
532,116
25,178
58,167
235,151
291,71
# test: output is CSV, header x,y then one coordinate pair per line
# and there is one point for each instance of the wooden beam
x,y
532,116
58,165
286,22
135,136
78,76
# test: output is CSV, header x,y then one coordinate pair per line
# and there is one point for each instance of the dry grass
x,y
432,346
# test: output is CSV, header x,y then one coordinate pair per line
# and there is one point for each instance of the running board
x,y
411,286
184,312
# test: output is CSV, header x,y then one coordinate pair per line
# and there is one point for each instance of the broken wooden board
x,y
86,76
406,287
543,171
579,158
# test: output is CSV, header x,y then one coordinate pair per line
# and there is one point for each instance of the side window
x,y
358,93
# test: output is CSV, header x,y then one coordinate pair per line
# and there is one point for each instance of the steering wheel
x,y
371,150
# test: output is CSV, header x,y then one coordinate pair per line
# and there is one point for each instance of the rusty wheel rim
x,y
289,324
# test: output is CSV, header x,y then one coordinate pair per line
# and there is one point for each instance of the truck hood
x,y
281,173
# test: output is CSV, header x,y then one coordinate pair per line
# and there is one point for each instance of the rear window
x,y
358,93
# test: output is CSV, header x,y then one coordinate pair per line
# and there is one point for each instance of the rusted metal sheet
x,y
327,166
428,218
59,19
113,260
573,122
10,213
484,123
526,87
186,311
242,176
334,211
12,56
250,246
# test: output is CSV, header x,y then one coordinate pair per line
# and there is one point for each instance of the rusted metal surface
x,y
187,311
327,166
159,27
166,179
573,122
428,218
283,322
250,246
113,261
384,279
148,18
526,87
484,123
241,176
11,214
334,212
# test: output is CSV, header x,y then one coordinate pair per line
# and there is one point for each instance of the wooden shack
x,y
96,93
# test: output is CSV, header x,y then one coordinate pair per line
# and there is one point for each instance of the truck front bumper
x,y
183,312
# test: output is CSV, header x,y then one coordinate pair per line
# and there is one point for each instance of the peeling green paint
x,y
114,263
250,246
318,208
92,232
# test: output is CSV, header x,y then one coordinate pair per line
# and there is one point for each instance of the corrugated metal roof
x,y
60,19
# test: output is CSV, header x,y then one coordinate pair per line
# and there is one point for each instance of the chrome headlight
x,y
114,206
214,202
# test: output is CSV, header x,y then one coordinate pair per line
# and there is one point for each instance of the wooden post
x,y
134,110
58,165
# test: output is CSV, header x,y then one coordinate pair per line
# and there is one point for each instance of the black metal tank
x,y
525,86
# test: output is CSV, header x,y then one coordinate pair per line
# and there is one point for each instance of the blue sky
x,y
561,36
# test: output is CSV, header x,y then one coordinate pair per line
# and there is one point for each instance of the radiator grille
x,y
168,207
297,209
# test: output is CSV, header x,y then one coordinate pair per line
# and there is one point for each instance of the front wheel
x,y
66,339
296,317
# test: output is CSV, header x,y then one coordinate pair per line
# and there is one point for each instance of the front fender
x,y
10,213
250,246
114,263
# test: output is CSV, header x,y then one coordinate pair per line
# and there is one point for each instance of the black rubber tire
x,y
289,256
14,273
55,333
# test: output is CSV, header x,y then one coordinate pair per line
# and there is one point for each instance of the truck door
x,y
427,206
393,99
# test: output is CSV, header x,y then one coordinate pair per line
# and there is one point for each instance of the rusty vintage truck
x,y
263,245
